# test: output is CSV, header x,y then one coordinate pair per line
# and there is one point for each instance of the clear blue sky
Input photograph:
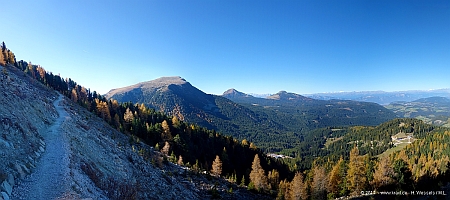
x,y
259,46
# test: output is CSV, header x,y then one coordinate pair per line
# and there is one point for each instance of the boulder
x,y
4,196
25,168
6,187
30,158
19,169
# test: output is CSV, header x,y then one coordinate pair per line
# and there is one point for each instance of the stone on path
x,y
6,187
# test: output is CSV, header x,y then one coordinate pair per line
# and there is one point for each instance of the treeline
x,y
6,56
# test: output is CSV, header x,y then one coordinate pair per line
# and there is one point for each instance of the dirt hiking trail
x,y
51,178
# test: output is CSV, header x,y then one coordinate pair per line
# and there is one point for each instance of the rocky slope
x,y
26,110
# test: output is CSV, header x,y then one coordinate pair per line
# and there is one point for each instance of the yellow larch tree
x,y
257,175
384,174
298,189
356,174
217,166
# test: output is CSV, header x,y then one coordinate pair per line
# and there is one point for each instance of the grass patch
x,y
392,150
332,140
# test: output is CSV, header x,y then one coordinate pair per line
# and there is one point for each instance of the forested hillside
x,y
317,113
329,162
272,124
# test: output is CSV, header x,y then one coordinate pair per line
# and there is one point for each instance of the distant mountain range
x,y
382,97
432,110
274,121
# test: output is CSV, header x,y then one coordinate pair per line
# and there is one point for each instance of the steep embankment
x,y
73,155
26,111
51,179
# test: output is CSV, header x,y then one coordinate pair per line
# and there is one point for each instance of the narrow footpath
x,y
51,178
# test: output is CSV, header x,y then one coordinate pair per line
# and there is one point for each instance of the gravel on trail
x,y
51,179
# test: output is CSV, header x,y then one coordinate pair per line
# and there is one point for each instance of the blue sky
x,y
254,46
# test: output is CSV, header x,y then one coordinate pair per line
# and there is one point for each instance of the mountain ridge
x,y
160,82
260,120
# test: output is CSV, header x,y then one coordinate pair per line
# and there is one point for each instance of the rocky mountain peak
x,y
159,83
283,95
169,80
233,93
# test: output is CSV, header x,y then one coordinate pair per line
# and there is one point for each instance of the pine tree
x,y
74,95
175,121
166,135
11,57
252,145
83,95
242,181
257,175
298,189
274,179
173,157
180,160
128,116
356,175
166,149
244,142
319,184
283,190
2,59
196,166
117,121
103,110
384,174
217,166
3,46
336,178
